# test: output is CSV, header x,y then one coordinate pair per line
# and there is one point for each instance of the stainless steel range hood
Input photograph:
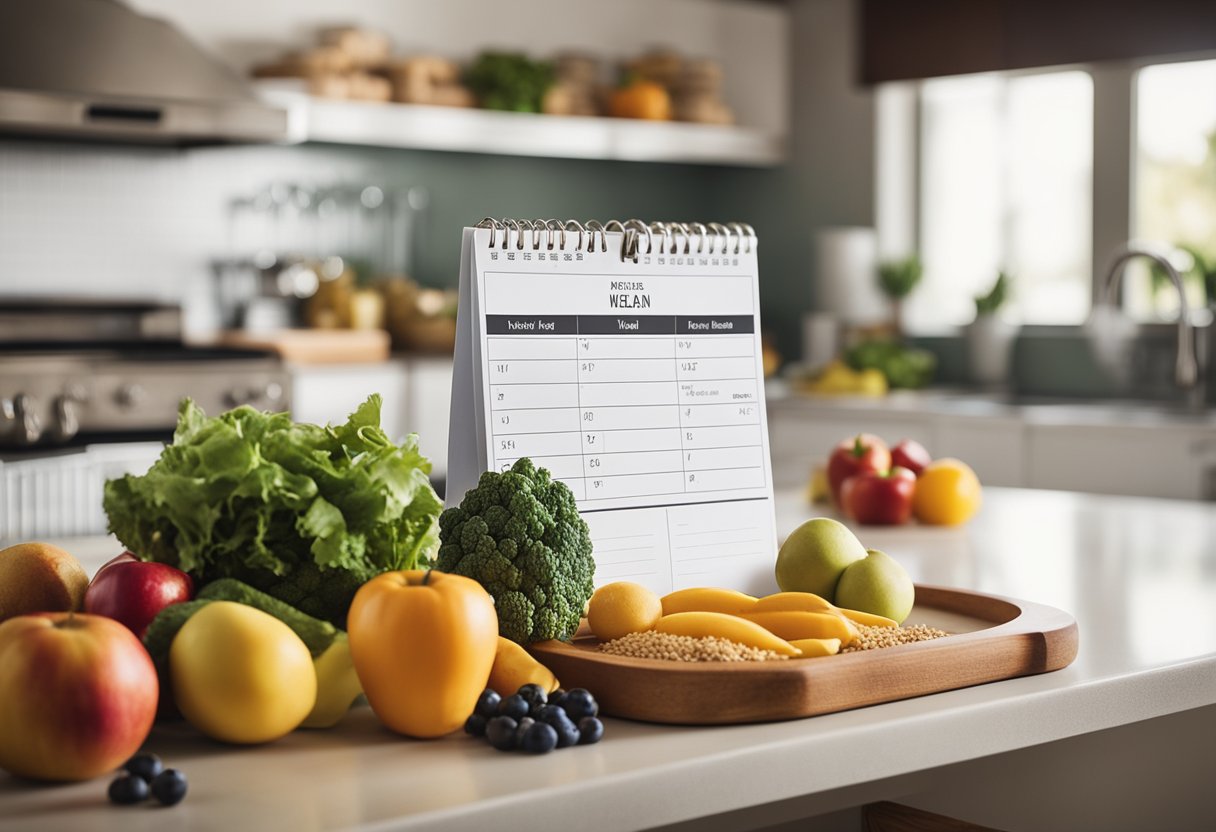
x,y
98,69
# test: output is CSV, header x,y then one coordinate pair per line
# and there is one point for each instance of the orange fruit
x,y
948,493
621,608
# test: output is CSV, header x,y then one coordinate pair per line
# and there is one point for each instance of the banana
x,y
337,684
810,602
707,599
867,618
514,667
798,625
730,627
792,602
815,647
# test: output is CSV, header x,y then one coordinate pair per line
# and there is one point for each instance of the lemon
x,y
947,493
240,675
621,608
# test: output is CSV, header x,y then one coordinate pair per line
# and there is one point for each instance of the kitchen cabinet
x,y
801,438
1099,448
1157,461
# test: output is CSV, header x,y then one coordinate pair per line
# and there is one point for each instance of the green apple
x,y
815,555
876,584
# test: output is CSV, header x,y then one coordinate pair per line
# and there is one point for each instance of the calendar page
x,y
640,386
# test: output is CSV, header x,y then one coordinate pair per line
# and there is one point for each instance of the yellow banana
x,y
707,599
337,685
514,667
721,625
810,602
792,602
867,618
815,647
797,624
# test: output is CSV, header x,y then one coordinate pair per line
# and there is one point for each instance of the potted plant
x,y
990,336
897,279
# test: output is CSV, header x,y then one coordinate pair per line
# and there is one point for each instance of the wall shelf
x,y
522,134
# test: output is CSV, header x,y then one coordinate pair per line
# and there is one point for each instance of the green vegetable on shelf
x,y
509,81
304,513
519,534
904,367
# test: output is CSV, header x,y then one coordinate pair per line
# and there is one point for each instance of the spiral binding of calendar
x,y
690,238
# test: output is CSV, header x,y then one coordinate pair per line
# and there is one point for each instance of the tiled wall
x,y
118,221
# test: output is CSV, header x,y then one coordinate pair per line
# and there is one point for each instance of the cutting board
x,y
317,346
992,638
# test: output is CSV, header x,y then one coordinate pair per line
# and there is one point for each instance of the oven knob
x,y
28,429
238,396
273,391
67,417
129,395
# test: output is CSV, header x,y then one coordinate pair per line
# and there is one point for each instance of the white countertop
x,y
1138,574
977,404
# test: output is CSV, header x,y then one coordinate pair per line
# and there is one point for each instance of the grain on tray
x,y
655,645
872,638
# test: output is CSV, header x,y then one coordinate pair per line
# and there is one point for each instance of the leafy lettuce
x,y
302,512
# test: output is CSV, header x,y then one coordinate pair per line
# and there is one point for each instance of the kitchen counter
x,y
1138,574
1041,410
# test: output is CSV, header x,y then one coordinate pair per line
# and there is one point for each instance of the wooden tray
x,y
992,638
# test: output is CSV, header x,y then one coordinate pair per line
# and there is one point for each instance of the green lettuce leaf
x,y
303,512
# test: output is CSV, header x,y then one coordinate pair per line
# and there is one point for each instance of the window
x,y
1006,168
1175,178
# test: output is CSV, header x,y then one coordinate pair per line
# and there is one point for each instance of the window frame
x,y
899,185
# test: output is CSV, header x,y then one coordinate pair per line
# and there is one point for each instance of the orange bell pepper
x,y
423,643
641,99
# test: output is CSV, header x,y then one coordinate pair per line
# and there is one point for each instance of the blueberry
x,y
540,739
567,734
544,713
567,731
557,696
590,730
145,765
514,706
578,703
128,789
487,704
534,695
500,731
524,724
475,726
169,787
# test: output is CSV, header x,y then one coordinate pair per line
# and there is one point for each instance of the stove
x,y
90,390
52,399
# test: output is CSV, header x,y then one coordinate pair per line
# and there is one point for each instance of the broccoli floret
x,y
519,534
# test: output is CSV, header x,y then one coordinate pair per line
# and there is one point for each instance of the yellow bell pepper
x,y
423,643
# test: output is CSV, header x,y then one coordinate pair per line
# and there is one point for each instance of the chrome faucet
x,y
1186,363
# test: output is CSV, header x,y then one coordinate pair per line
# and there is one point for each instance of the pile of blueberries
x,y
144,775
533,721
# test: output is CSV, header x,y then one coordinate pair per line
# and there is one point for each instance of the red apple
x,y
126,557
910,454
79,695
879,498
864,452
134,591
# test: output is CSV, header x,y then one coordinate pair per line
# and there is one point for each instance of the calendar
x,y
625,358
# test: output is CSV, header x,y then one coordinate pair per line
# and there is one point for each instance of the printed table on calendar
x,y
628,405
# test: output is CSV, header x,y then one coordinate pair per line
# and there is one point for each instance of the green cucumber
x,y
317,635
